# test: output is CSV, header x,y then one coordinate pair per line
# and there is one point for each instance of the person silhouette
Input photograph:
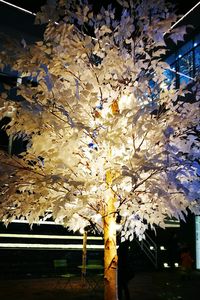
x,y
186,263
124,275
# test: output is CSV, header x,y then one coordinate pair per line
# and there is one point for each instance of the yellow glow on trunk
x,y
110,252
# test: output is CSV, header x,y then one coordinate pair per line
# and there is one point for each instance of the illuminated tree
x,y
107,138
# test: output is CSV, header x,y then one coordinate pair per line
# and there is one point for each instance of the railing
x,y
149,247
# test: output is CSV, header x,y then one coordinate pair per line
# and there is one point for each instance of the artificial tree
x,y
109,143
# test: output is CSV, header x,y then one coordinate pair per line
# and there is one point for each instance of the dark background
x,y
182,5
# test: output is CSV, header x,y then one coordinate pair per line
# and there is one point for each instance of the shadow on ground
x,y
156,285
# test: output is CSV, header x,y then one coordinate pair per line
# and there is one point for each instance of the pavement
x,y
165,285
154,285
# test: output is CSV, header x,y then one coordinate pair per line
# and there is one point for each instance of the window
x,y
197,60
197,229
186,67
185,63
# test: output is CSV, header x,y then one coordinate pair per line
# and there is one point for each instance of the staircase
x,y
149,250
149,247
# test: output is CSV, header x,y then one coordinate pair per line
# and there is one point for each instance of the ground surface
x,y
164,285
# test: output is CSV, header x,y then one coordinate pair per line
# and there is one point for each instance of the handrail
x,y
149,247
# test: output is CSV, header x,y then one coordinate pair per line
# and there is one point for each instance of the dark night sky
x,y
33,5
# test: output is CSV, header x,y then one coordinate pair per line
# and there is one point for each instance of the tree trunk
x,y
110,253
10,144
84,255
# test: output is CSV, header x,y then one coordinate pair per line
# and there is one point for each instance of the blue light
x,y
93,146
100,106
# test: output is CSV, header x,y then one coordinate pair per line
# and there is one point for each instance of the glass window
x,y
197,60
197,229
170,74
186,67
186,48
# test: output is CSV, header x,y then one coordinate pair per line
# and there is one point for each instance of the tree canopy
x,y
100,120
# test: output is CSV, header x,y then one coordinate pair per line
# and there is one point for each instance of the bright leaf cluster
x,y
99,122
